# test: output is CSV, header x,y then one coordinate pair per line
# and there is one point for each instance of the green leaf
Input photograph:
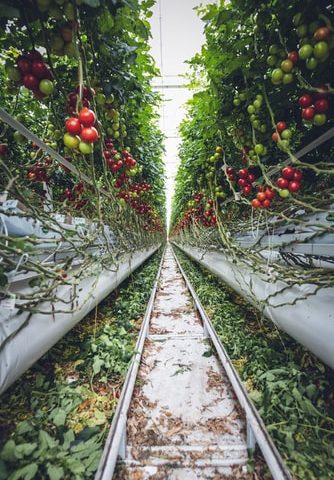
x,y
98,362
8,451
25,449
59,418
46,440
55,472
28,472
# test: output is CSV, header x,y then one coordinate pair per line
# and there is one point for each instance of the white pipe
x,y
310,320
44,330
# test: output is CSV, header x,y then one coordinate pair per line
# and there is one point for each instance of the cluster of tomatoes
x,y
39,171
315,106
289,181
80,132
263,198
74,195
245,181
73,97
33,73
282,135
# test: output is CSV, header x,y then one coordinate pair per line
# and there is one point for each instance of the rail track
x,y
183,412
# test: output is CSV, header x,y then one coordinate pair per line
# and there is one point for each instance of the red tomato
x,y
73,126
308,113
24,64
243,173
247,189
261,196
280,126
293,56
275,137
256,203
305,101
39,69
297,175
282,183
30,81
294,186
89,134
251,178
229,170
242,182
266,203
270,194
321,105
3,149
87,117
288,172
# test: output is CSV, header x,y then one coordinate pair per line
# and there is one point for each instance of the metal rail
x,y
256,430
116,440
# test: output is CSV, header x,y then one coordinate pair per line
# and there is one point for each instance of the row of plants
x,y
290,387
263,91
77,74
55,419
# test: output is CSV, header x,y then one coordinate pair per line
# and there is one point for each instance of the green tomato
x,y
100,99
18,137
288,78
46,86
86,148
305,51
274,49
284,193
321,50
283,145
301,30
259,148
116,135
71,141
253,117
319,119
250,109
286,134
257,104
263,128
287,66
256,124
277,75
271,60
297,19
242,96
13,73
311,63
236,102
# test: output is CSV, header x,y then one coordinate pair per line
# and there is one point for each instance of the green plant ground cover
x,y
55,418
291,388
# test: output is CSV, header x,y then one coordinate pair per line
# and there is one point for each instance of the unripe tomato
x,y
305,51
287,66
86,148
71,141
46,86
321,50
284,193
89,134
73,126
87,117
319,119
305,101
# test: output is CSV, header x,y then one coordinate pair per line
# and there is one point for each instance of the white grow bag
x,y
310,321
42,331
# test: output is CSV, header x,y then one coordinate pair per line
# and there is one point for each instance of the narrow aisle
x,y
184,422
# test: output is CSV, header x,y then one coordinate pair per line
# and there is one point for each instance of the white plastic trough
x,y
310,320
42,331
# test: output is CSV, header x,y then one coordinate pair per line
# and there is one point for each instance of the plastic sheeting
x,y
41,331
309,320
